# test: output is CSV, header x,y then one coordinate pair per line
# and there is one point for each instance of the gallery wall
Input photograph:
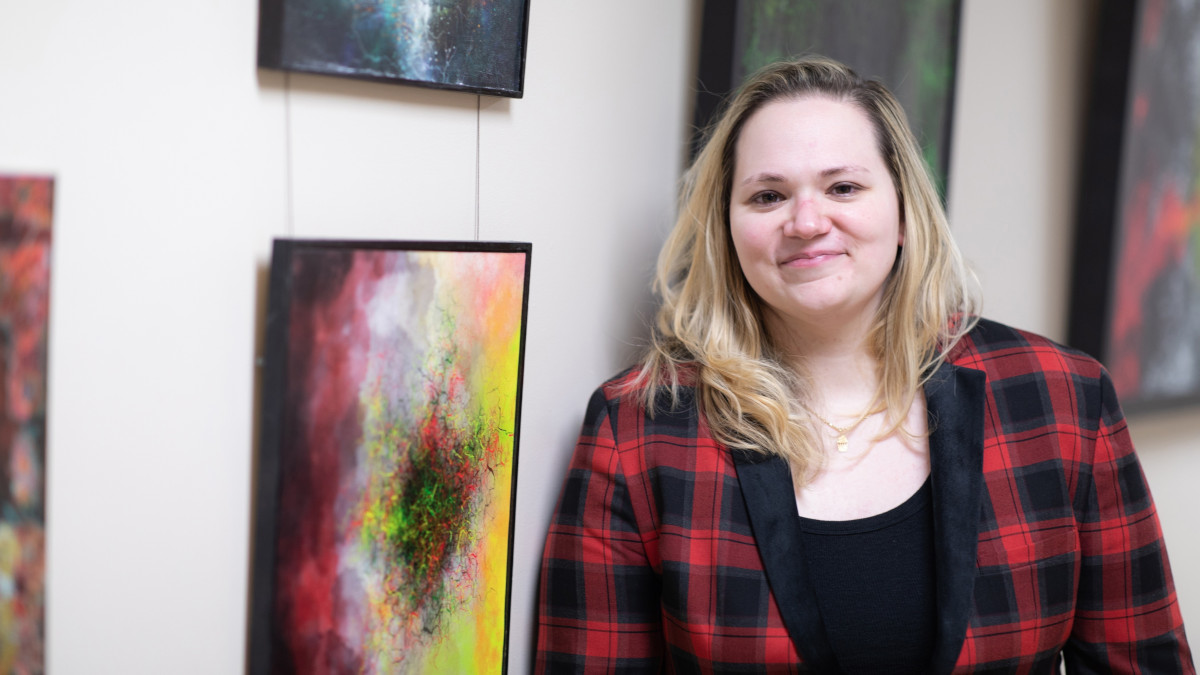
x,y
177,162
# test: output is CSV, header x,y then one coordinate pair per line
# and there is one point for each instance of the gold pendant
x,y
842,443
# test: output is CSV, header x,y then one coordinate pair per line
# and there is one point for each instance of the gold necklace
x,y
842,442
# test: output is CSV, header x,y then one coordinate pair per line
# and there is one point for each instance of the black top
x,y
874,581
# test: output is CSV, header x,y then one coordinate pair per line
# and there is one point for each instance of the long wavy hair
x,y
709,331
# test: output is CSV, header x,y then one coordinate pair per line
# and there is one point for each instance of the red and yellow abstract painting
x,y
396,459
26,204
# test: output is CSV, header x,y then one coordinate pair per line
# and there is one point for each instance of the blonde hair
x,y
709,331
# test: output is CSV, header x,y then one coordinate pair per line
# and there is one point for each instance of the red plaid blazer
x,y
668,552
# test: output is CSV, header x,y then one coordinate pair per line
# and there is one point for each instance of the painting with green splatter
x,y
391,406
475,45
908,45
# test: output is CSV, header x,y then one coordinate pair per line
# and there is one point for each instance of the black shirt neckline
x,y
910,507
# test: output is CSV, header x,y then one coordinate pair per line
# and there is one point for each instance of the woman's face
x,y
814,215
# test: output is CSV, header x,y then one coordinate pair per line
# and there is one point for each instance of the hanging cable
x,y
289,207
478,116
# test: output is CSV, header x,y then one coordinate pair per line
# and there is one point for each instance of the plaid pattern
x,y
652,563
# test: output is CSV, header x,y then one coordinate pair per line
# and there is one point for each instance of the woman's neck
x,y
843,385
836,360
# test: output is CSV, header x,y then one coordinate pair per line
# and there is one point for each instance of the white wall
x,y
586,170
172,159
1017,128
173,155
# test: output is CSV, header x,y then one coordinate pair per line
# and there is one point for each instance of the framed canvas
x,y
1135,299
26,205
911,46
388,455
472,45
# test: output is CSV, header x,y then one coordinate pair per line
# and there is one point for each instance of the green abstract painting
x,y
908,45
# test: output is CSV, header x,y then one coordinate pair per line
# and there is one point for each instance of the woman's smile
x,y
811,258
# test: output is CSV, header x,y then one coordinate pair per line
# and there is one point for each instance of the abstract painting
x,y
25,211
1136,288
909,45
473,45
387,465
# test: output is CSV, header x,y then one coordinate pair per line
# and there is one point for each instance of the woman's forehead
x,y
813,133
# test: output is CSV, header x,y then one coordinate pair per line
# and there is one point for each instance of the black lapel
x,y
954,398
771,504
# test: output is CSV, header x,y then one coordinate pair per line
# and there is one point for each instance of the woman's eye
x,y
767,198
844,189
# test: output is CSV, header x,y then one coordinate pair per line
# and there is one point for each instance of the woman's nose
x,y
807,219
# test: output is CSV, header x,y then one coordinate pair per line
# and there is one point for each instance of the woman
x,y
826,463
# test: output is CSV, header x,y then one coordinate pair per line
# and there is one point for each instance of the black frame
x,y
272,418
277,49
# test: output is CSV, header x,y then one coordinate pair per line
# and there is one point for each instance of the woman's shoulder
x,y
992,344
1029,375
635,398
639,383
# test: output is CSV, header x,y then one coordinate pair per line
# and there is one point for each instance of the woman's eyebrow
x,y
767,177
764,178
849,168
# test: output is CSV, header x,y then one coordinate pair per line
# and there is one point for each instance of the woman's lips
x,y
810,258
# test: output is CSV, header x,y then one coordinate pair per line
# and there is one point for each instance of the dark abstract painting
x,y
909,45
25,211
473,45
388,457
1136,295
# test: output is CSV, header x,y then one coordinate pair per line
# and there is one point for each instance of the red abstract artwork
x,y
1154,343
389,456
25,211
1136,301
